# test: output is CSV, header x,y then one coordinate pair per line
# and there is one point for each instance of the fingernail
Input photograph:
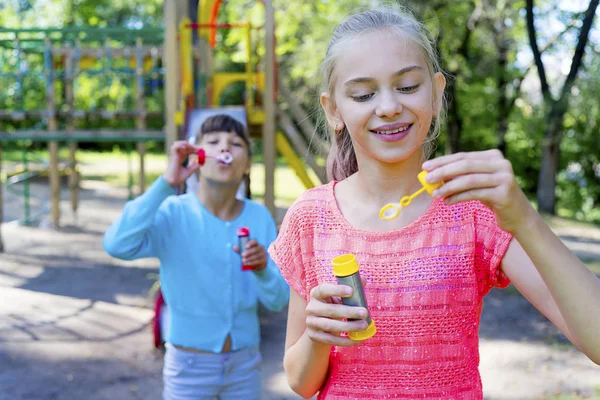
x,y
362,313
426,165
436,194
347,291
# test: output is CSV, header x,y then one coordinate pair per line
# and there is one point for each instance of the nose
x,y
226,147
389,104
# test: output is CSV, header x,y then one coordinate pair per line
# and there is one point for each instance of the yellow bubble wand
x,y
391,210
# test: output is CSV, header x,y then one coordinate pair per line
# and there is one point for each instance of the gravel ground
x,y
74,323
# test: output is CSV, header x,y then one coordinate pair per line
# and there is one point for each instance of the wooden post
x,y
70,100
174,10
203,50
74,179
269,152
1,203
52,145
308,130
299,145
54,181
140,119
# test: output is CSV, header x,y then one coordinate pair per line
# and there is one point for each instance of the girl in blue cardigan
x,y
213,333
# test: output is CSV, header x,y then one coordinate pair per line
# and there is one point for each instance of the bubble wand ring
x,y
227,158
391,210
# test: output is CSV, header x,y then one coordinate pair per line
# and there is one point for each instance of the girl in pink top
x,y
428,270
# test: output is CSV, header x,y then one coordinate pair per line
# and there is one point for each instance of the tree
x,y
555,107
454,27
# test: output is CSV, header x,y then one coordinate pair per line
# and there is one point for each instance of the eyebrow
x,y
396,75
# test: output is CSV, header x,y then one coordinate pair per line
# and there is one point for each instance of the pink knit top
x,y
425,286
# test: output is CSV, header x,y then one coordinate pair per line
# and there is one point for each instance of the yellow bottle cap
x,y
429,187
345,265
364,335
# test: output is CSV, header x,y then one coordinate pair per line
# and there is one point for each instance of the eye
x,y
237,144
361,98
408,89
213,141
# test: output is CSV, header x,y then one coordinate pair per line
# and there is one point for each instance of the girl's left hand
x,y
485,176
253,255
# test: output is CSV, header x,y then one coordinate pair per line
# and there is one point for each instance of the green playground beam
x,y
80,139
32,37
26,199
86,29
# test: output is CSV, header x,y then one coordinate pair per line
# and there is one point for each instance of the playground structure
x,y
149,77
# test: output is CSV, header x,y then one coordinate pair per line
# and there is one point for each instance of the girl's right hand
x,y
325,313
176,173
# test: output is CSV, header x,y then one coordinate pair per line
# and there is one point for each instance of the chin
x,y
221,181
401,155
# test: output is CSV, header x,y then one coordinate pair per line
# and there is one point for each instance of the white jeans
x,y
199,376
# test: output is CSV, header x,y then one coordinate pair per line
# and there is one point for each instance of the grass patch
x,y
561,222
512,291
287,185
574,396
83,156
122,180
593,265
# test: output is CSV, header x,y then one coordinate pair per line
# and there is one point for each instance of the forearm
x,y
574,288
127,237
306,364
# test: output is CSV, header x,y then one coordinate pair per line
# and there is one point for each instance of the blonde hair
x,y
341,161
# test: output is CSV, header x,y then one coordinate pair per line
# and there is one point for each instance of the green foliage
x,y
100,13
470,35
524,151
578,188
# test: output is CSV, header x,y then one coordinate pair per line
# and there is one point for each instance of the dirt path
x,y
523,356
74,322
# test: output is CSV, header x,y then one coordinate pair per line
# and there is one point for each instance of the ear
x,y
333,116
439,82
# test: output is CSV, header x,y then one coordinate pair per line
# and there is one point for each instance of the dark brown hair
x,y
225,123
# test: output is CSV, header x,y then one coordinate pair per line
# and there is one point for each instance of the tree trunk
x,y
546,191
546,195
502,129
503,104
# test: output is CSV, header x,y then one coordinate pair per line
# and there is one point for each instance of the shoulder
x,y
478,212
174,201
466,211
312,202
473,215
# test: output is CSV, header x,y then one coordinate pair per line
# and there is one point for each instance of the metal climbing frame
x,y
83,76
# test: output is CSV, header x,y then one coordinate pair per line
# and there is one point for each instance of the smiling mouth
x,y
391,131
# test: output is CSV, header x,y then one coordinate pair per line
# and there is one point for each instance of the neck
x,y
219,199
383,183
